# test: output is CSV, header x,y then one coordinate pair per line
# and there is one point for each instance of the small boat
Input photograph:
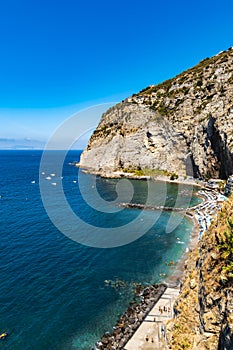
x,y
3,335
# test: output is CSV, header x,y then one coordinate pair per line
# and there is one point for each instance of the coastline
x,y
119,339
174,279
121,174
201,221
136,313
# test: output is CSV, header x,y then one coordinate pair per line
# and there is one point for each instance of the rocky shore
x,y
121,174
144,300
147,296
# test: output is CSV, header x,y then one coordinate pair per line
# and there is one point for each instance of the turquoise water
x,y
52,289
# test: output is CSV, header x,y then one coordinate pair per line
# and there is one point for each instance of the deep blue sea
x,y
53,293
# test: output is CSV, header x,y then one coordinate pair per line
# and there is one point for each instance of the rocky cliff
x,y
184,126
204,310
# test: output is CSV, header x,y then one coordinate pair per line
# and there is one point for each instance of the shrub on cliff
x,y
226,249
174,176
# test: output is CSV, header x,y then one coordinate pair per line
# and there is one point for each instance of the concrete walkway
x,y
153,327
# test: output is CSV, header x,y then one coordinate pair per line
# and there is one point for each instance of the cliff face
x,y
205,307
184,125
131,135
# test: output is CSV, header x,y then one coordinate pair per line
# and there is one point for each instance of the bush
x,y
226,249
174,176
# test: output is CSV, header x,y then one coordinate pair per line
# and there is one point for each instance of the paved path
x,y
154,325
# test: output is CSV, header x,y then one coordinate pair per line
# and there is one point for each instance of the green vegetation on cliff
x,y
226,250
151,172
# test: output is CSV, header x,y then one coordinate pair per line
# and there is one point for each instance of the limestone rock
x,y
184,125
193,283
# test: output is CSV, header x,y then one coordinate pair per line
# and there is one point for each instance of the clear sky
x,y
58,56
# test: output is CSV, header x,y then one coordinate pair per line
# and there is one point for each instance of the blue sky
x,y
58,56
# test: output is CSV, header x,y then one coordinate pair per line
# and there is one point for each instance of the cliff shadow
x,y
218,143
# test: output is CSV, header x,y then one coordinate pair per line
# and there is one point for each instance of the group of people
x,y
164,309
147,339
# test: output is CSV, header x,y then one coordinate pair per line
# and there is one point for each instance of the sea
x,y
57,293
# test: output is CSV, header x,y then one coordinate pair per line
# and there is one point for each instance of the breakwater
x,y
150,207
144,300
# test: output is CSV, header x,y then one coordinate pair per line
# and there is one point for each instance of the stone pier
x,y
152,332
